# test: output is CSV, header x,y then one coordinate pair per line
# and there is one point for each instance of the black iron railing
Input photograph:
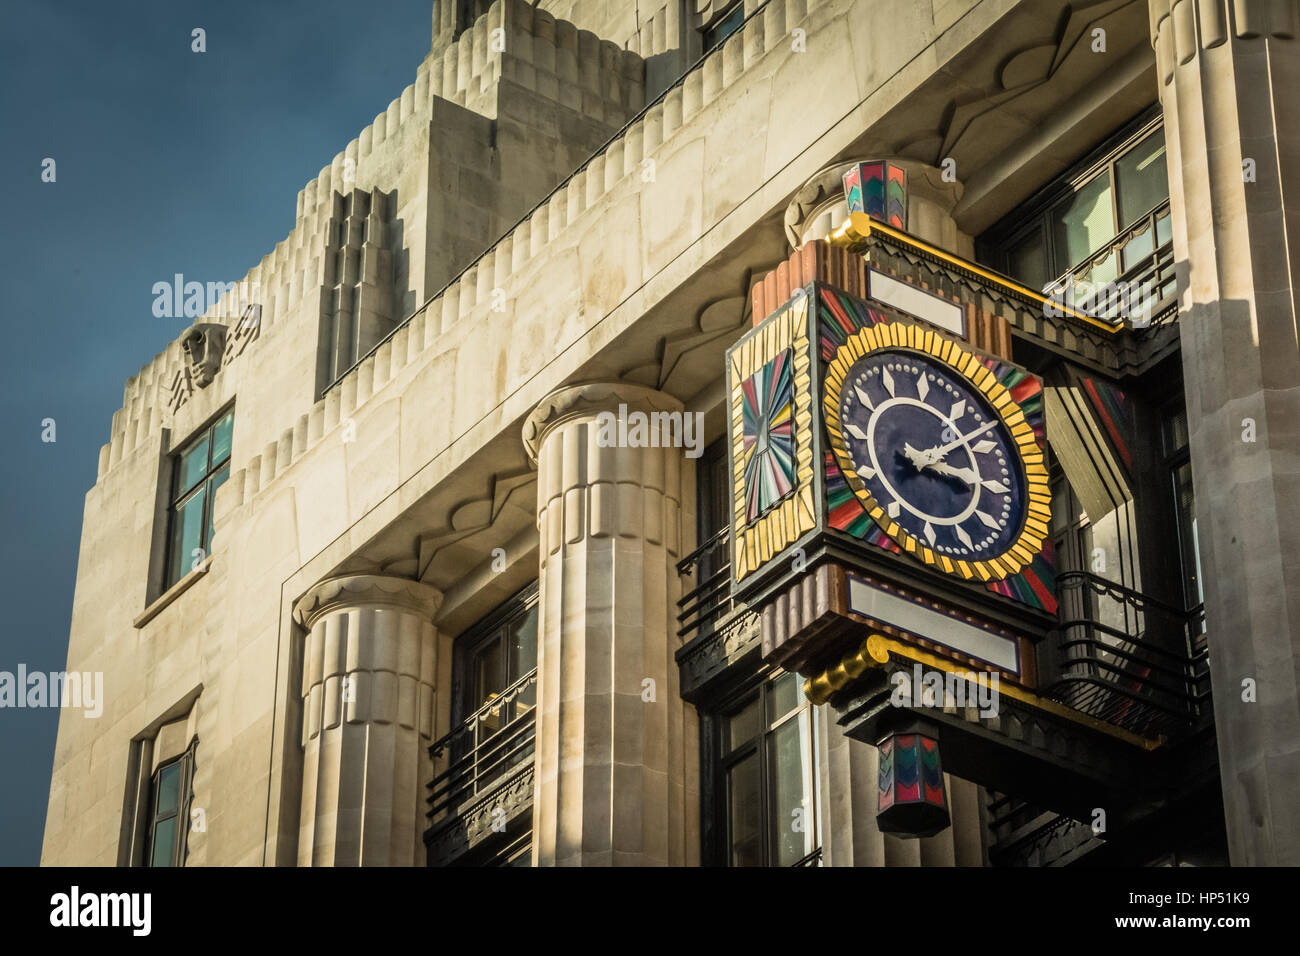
x,y
1127,658
486,747
701,608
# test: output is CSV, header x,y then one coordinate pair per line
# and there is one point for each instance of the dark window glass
x,y
766,777
724,27
202,466
1188,542
1027,260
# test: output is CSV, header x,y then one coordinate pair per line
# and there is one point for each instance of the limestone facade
x,y
564,214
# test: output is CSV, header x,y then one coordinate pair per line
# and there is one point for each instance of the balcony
x,y
1131,278
1127,659
480,805
717,632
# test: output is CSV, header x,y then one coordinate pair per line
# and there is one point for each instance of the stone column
x,y
617,747
1228,76
367,690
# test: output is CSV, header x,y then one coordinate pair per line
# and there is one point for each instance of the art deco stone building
x,y
367,585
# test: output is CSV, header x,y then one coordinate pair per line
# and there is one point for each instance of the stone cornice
x,y
588,400
355,590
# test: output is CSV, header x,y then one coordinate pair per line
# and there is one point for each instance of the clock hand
x,y
917,458
937,454
968,475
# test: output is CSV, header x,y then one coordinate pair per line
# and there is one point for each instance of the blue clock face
x,y
933,454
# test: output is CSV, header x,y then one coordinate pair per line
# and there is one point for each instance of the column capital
x,y
587,400
351,590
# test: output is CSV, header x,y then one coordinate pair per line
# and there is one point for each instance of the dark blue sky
x,y
167,161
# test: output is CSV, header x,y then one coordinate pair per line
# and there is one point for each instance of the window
x,y
201,467
169,812
723,26
495,656
1071,531
766,782
1106,220
1178,461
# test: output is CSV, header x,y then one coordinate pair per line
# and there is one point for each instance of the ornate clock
x,y
935,449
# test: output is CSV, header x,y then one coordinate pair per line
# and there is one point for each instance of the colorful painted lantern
x,y
912,801
878,189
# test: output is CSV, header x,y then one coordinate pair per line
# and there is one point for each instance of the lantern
x,y
878,189
912,801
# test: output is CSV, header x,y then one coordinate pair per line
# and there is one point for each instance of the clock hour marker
x,y
958,410
996,487
929,533
863,398
888,380
855,431
983,447
987,519
893,509
922,386
962,536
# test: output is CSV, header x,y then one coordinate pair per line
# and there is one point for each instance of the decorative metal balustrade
x,y
1127,658
1129,278
710,600
487,751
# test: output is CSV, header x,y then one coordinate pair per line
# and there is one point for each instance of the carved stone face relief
x,y
203,345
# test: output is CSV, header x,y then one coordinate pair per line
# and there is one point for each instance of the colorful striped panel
x,y
767,404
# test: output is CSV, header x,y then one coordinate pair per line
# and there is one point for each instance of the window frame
x,y
181,814
718,762
710,37
492,626
178,497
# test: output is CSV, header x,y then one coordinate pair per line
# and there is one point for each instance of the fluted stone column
x,y
1229,76
617,748
367,690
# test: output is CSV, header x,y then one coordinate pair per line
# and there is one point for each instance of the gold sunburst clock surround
x,y
937,451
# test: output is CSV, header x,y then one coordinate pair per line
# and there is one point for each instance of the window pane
x,y
791,802
784,695
724,28
164,842
744,725
1083,223
1139,247
744,811
193,467
1176,432
187,534
523,655
1140,179
1189,546
217,481
221,438
1027,261
488,670
169,790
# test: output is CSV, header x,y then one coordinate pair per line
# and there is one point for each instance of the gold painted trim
x,y
876,650
896,336
857,229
